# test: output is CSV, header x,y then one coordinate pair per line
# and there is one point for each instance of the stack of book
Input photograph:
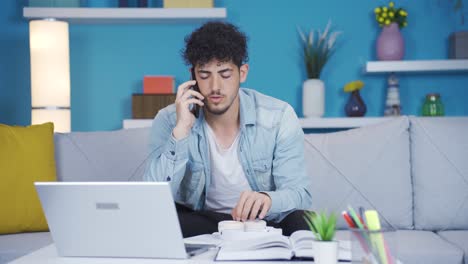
x,y
188,3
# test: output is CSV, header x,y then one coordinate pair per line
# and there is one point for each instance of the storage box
x,y
148,105
158,84
188,3
458,45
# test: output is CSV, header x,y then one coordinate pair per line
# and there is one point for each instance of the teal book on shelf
x,y
55,3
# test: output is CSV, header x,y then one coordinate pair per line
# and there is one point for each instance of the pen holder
x,y
373,247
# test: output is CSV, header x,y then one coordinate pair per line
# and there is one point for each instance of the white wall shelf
x,y
124,15
340,122
416,66
306,123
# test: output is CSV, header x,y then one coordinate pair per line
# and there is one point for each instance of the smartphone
x,y
196,108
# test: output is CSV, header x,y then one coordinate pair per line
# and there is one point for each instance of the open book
x,y
276,247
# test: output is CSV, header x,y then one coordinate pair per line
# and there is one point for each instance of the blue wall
x,y
109,61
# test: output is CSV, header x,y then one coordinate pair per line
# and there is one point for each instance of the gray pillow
x,y
102,156
439,151
368,167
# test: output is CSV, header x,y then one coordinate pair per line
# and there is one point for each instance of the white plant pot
x,y
325,252
313,98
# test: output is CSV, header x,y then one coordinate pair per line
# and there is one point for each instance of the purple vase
x,y
355,107
390,44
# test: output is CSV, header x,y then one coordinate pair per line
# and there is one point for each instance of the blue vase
x,y
355,106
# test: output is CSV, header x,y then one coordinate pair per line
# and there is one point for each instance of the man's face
x,y
219,83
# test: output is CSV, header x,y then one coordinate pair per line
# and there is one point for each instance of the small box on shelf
x,y
147,105
188,3
158,84
458,45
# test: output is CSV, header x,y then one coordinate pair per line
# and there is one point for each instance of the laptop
x,y
114,219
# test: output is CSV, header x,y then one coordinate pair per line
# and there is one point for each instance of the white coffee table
x,y
49,255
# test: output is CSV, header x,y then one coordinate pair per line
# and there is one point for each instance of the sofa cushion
x,y
416,246
17,245
439,147
367,166
102,156
26,156
459,238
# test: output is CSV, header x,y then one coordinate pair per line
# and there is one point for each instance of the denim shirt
x,y
271,151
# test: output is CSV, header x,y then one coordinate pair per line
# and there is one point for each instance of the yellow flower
x,y
391,4
377,10
387,22
391,14
384,14
385,9
381,20
403,13
353,86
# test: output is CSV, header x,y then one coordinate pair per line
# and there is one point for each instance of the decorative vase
x,y
313,98
390,43
325,252
355,106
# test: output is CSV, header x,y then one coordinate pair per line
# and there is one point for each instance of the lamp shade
x,y
60,118
50,71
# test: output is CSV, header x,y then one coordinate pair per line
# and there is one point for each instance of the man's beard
x,y
219,111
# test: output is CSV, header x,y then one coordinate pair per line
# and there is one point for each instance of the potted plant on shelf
x,y
324,227
390,43
317,49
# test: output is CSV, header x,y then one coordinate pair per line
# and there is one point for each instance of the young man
x,y
242,158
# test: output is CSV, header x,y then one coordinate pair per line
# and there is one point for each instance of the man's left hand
x,y
250,204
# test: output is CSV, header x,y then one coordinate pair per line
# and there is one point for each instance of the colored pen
x,y
351,224
361,216
372,219
355,217
348,219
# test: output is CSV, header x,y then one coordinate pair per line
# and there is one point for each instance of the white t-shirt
x,y
227,176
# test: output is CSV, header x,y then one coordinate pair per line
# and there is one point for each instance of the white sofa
x,y
414,171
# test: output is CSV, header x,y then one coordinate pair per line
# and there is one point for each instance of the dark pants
x,y
195,223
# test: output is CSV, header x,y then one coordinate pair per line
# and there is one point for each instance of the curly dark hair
x,y
215,40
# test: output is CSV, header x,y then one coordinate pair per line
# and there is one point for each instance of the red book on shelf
x,y
157,84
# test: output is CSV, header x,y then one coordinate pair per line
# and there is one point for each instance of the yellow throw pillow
x,y
26,156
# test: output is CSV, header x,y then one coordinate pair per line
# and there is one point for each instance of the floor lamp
x,y
50,73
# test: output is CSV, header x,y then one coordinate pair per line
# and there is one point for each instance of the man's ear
x,y
243,71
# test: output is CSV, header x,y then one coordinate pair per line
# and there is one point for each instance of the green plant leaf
x,y
322,224
331,224
308,216
317,52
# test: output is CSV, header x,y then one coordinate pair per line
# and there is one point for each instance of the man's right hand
x,y
185,119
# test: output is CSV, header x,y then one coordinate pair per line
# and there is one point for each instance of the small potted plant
x,y
390,43
317,49
323,225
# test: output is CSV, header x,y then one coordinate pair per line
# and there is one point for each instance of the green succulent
x,y
322,224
